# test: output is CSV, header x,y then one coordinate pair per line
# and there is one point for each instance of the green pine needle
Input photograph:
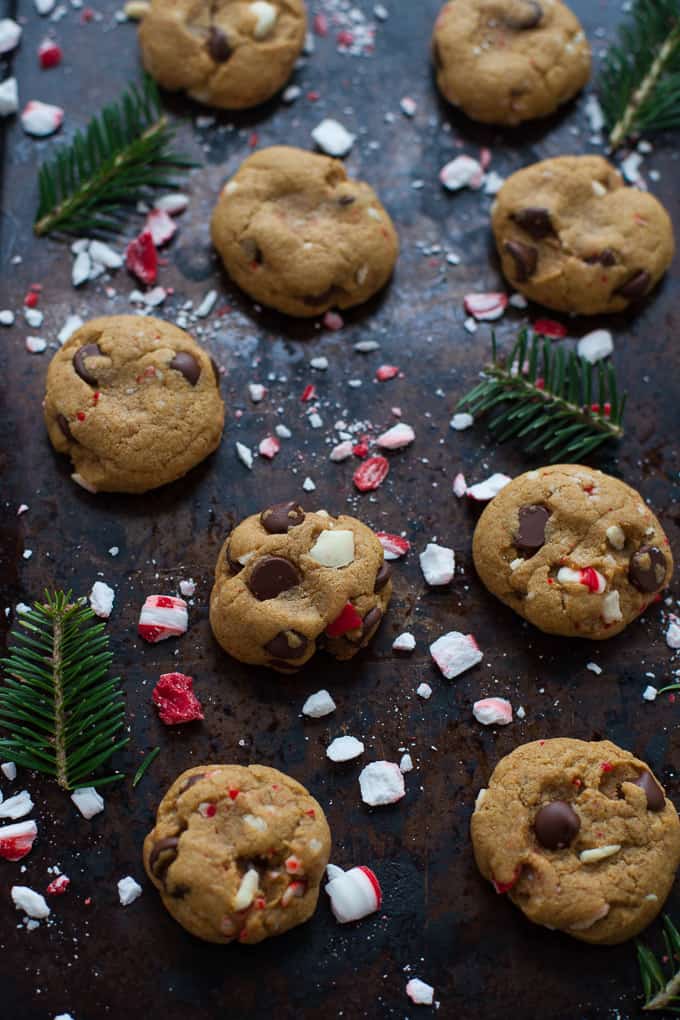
x,y
57,702
547,399
661,992
150,758
640,83
124,151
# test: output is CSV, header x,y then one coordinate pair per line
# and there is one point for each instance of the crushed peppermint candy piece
x,y
49,54
594,113
17,840
10,34
673,634
354,894
17,806
420,992
462,172
101,599
58,885
649,693
7,317
386,372
318,705
459,422
489,488
31,902
82,269
594,668
492,712
161,226
175,700
438,564
548,327
244,455
409,107
9,97
141,258
8,768
333,549
104,255
406,763
455,653
320,364
381,782
45,7
595,346
41,119
459,485
207,304
73,322
342,451
394,546
35,344
404,643
88,801
162,616
587,576
128,890
344,749
269,447
397,437
333,321
173,204
332,138
349,619
308,485
486,307
424,691
371,474
188,587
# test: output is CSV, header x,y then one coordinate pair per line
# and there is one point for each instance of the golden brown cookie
x,y
572,550
287,581
134,402
296,234
231,54
506,61
238,853
580,836
573,237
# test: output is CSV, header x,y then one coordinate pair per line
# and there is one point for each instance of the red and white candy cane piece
x,y
353,894
589,577
49,54
385,372
371,474
462,172
394,546
397,437
459,485
486,307
294,890
455,653
349,619
162,616
41,119
141,258
161,226
503,887
269,447
17,840
490,487
492,712
548,327
58,885
342,451
381,782
293,865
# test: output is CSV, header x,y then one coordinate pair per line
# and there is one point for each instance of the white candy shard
x,y
10,34
104,255
88,801
82,267
424,691
173,204
9,770
161,226
128,890
207,304
353,894
45,7
381,783
599,853
438,564
594,113
244,455
6,317
594,668
162,616
35,344
246,890
266,17
397,437
596,345
342,451
479,799
611,608
41,119
649,693
256,392
333,549
406,763
489,488
492,712
318,705
673,635
188,588
17,806
420,992
73,322
344,749
459,485
459,422
31,902
332,138
101,599
404,643
616,536
9,97
462,172
455,653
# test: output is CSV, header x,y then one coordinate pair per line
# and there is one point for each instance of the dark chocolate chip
x,y
556,825
88,351
382,577
647,569
158,867
179,891
252,251
271,576
65,428
319,299
186,364
607,257
523,14
371,620
530,535
279,517
288,644
284,667
216,371
656,800
525,257
636,287
535,221
233,565
346,200
218,45
191,781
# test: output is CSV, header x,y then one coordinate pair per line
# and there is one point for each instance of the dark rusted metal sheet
x,y
96,959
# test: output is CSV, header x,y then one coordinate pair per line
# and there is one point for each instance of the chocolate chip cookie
x,y
573,237
134,402
580,836
288,581
296,234
226,53
506,61
573,551
238,853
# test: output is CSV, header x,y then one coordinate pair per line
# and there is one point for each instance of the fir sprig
x,y
62,711
548,400
640,83
125,150
662,991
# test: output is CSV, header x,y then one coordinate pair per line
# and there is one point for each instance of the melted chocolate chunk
x,y
556,825
284,667
346,200
179,891
647,569
523,14
271,576
607,257
525,257
88,351
65,428
319,299
279,517
535,221
191,781
288,644
186,364
382,577
252,251
218,45
233,565
216,371
371,620
636,287
530,535
168,849
655,795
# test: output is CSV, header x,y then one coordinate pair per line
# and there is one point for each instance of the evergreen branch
x,y
640,82
548,400
661,992
124,151
61,711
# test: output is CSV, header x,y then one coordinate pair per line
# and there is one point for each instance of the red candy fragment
x,y
503,887
161,226
386,372
394,545
308,393
49,54
349,619
175,700
371,474
486,307
58,886
16,840
141,258
548,327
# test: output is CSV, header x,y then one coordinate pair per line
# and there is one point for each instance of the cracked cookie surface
x,y
287,581
225,53
134,402
572,550
572,236
296,233
580,836
507,61
238,853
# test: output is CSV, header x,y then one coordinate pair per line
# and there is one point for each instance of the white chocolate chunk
x,y
616,536
599,853
255,822
480,798
590,921
247,889
334,549
266,15
611,608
